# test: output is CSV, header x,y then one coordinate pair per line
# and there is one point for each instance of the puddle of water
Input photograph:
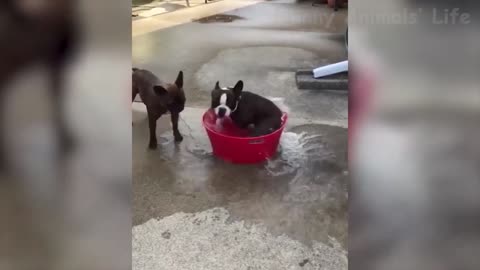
x,y
197,142
219,18
295,151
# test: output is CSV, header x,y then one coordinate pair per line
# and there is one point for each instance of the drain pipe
x,y
330,69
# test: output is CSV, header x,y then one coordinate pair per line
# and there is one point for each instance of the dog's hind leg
x,y
176,133
58,62
57,92
66,141
152,124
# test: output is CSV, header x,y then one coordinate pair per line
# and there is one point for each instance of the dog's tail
x,y
280,103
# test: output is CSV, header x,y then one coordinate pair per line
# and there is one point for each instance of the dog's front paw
x,y
152,145
178,137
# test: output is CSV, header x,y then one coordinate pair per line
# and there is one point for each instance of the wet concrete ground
x,y
303,191
211,240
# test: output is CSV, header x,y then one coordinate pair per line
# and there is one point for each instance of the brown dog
x,y
159,97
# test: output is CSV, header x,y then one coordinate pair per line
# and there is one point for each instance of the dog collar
x,y
236,105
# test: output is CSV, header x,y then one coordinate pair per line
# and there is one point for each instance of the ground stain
x,y
140,2
304,262
224,18
166,235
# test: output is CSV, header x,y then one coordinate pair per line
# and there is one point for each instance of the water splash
x,y
296,150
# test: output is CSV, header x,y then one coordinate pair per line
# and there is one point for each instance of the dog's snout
x,y
222,112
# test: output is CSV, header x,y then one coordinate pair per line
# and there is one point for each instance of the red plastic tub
x,y
231,143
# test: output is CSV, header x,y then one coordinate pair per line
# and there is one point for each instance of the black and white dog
x,y
246,109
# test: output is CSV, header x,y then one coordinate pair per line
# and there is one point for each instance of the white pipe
x,y
330,69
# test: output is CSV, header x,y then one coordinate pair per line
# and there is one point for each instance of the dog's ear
x,y
237,89
159,90
217,86
179,80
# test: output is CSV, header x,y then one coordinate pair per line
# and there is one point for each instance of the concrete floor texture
x,y
193,211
